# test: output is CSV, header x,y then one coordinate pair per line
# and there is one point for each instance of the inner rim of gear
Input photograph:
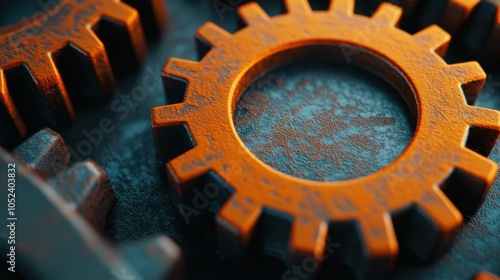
x,y
368,59
444,162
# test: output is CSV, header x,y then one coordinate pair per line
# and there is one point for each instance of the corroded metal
x,y
39,84
60,212
481,37
443,170
451,15
484,275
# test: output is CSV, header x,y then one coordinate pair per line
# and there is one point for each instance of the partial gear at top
x,y
481,35
65,55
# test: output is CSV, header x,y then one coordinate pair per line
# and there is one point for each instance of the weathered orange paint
x,y
34,41
491,55
437,94
456,14
484,275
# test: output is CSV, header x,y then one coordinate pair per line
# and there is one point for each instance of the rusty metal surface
x,y
196,137
143,205
484,275
474,24
451,15
324,119
85,184
61,217
42,57
483,45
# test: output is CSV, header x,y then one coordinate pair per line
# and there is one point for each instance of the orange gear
x,y
36,46
456,13
153,15
481,36
450,14
196,135
484,275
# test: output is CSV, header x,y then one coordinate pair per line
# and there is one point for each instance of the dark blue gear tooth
x,y
60,215
87,186
45,151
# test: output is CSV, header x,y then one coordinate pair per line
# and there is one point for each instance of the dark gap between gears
x,y
27,98
78,75
118,44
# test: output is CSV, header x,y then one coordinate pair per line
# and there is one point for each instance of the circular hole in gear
x,y
24,11
323,121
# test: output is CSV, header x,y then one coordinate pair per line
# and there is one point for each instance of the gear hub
x,y
443,169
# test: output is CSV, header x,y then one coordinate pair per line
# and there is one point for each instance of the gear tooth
x,y
437,225
180,68
252,13
237,220
168,115
471,76
236,223
96,53
467,72
380,245
388,14
298,6
483,132
153,14
45,151
456,13
308,238
12,124
56,97
53,219
188,166
160,258
468,183
176,75
342,6
122,13
434,38
478,166
208,36
88,187
170,131
484,118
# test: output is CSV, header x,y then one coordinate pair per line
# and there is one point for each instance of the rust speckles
x,y
313,135
38,43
